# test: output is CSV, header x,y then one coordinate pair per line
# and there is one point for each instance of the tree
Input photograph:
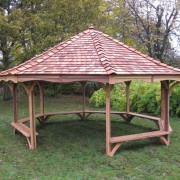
x,y
28,28
115,20
154,25
118,21
9,32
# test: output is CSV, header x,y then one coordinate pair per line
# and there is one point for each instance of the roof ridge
x,y
47,52
102,55
140,53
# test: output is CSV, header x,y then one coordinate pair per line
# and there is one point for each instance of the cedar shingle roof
x,y
92,53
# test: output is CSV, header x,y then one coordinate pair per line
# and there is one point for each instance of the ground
x,y
69,148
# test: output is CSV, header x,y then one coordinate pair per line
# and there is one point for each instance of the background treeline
x,y
29,27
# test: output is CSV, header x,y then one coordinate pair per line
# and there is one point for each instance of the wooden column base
x,y
165,140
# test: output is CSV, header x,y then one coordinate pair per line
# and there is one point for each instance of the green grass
x,y
72,149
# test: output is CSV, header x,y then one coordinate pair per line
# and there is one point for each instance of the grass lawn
x,y
72,149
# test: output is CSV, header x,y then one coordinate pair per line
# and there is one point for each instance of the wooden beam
x,y
29,87
7,78
165,104
64,78
165,108
15,103
125,78
120,139
116,147
145,116
108,120
128,96
41,98
83,99
22,128
32,120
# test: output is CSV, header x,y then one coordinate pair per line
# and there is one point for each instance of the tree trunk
x,y
5,62
6,93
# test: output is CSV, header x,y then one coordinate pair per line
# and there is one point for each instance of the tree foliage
x,y
155,25
30,27
147,25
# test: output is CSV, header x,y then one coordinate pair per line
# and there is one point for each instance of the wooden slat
x,y
104,112
22,128
27,118
50,114
63,113
92,112
145,116
98,112
118,112
138,136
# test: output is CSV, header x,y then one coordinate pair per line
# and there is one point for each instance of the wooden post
x,y
84,98
29,87
15,103
128,96
108,120
165,108
41,91
32,120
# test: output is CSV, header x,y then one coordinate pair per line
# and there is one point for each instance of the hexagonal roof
x,y
91,53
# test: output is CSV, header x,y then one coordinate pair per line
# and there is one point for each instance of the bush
x,y
53,89
145,98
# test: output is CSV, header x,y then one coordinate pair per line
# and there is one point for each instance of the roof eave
x,y
112,78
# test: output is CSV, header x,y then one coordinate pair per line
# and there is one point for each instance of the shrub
x,y
145,98
53,89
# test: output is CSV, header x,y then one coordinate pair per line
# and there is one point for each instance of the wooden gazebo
x,y
92,56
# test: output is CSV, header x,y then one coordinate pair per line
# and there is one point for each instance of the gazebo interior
x,y
91,56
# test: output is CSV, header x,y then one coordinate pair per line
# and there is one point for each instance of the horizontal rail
x,y
90,112
126,138
144,116
104,112
27,118
25,130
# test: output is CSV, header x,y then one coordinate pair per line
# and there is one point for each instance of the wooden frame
x,y
28,132
106,71
111,79
112,143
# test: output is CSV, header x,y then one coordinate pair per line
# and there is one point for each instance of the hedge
x,y
145,98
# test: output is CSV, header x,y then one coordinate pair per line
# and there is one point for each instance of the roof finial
x,y
91,26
